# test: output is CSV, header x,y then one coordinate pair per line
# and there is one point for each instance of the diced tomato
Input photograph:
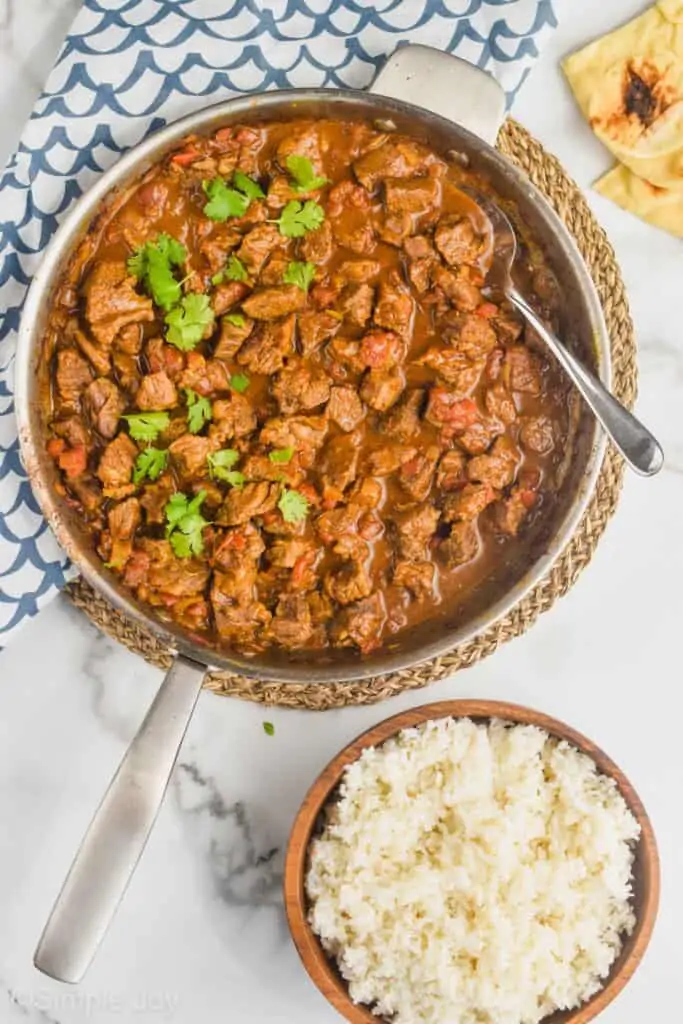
x,y
301,566
445,408
223,134
185,157
527,498
487,310
331,496
309,492
379,349
55,446
74,460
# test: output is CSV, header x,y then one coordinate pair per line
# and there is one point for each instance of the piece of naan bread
x,y
662,207
629,84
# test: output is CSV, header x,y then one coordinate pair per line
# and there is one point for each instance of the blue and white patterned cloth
x,y
129,66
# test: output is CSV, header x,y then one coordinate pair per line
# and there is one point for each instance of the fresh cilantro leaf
x,y
298,218
269,728
301,169
152,264
236,319
234,478
223,202
221,463
185,523
235,270
150,463
247,185
239,382
281,455
146,426
300,274
198,410
218,278
188,321
294,506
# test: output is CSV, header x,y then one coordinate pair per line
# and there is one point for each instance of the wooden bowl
x,y
322,969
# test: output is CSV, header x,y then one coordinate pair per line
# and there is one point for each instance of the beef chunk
x,y
450,473
361,624
478,437
348,209
381,350
292,626
417,577
189,454
461,546
273,303
302,432
223,240
348,583
228,295
300,387
338,522
395,305
366,492
386,460
116,464
356,302
522,370
231,338
163,358
98,357
382,388
537,434
317,246
232,417
274,271
345,408
266,348
234,547
411,195
172,577
301,140
104,403
357,271
73,430
417,474
500,404
497,469
123,520
238,616
396,158
338,462
245,503
316,328
415,529
73,376
457,287
460,373
205,376
470,334
448,408
510,512
111,301
257,245
126,370
468,503
156,392
403,422
155,498
457,240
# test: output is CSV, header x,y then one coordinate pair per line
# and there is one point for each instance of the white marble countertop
x,y
201,935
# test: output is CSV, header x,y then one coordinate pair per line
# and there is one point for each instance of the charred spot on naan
x,y
645,95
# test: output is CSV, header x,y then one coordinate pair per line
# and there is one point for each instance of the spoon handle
x,y
637,445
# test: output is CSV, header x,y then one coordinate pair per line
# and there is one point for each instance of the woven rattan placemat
x,y
548,175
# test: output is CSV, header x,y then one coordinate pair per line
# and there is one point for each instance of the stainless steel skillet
x,y
421,92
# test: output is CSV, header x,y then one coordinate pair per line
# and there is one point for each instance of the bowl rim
x,y
309,948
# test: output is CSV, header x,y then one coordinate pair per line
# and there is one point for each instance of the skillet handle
x,y
113,844
444,85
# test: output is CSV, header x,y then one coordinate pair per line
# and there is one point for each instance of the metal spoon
x,y
637,445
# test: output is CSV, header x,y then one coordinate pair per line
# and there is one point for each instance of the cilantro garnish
x,y
227,202
220,466
299,218
239,382
300,274
152,264
234,270
281,455
198,410
236,319
294,506
269,728
188,321
150,463
301,169
184,524
146,426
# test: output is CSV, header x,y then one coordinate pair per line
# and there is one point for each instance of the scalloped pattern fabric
x,y
128,67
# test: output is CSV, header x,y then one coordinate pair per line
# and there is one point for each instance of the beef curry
x,y
279,400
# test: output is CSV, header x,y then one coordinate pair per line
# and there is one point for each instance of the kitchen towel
x,y
129,66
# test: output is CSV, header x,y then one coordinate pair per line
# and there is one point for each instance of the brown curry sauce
x,y
421,478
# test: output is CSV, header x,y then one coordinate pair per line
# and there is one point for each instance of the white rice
x,y
473,873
